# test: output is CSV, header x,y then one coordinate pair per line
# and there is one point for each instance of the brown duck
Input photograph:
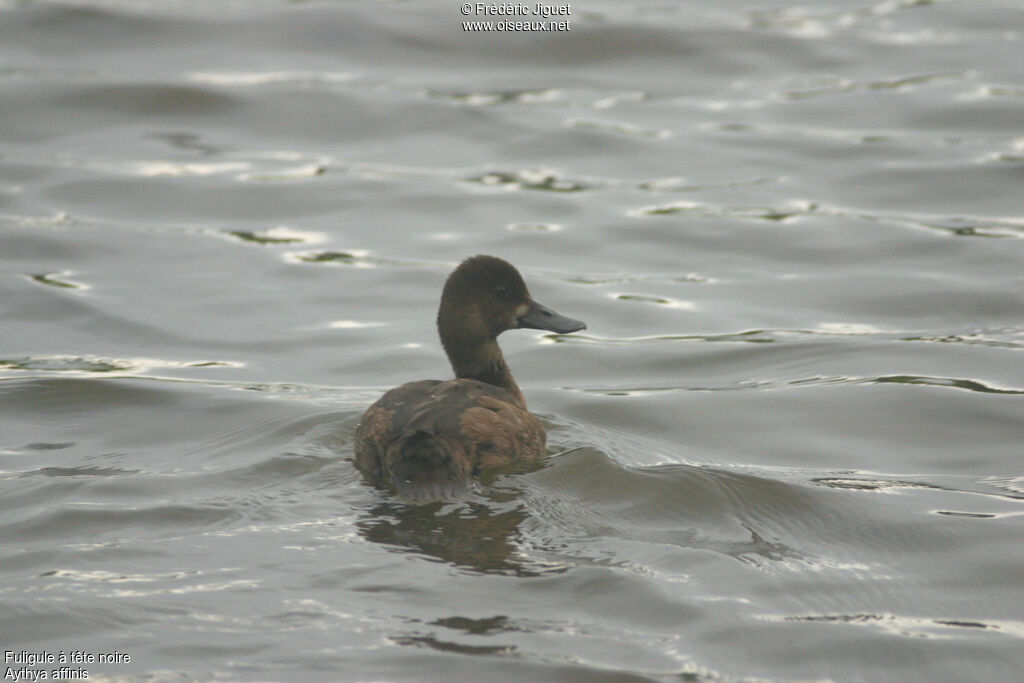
x,y
427,439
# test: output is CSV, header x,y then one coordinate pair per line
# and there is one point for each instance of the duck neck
x,y
481,360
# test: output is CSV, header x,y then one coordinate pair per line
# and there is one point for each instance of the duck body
x,y
428,439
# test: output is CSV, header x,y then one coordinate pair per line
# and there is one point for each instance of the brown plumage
x,y
427,439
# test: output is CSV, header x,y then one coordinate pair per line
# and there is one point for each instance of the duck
x,y
430,439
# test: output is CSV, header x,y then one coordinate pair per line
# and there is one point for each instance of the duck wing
x,y
428,438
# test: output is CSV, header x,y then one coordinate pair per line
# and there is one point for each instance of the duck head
x,y
485,296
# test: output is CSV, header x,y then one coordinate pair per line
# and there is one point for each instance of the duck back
x,y
428,439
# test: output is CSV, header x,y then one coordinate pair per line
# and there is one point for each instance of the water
x,y
787,447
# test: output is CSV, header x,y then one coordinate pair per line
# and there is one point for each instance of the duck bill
x,y
540,317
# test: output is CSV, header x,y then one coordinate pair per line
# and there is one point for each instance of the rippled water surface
x,y
787,447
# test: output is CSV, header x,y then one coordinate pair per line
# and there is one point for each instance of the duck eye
x,y
501,291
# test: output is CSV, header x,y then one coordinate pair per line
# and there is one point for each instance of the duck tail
x,y
427,466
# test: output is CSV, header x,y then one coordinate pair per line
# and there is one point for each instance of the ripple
x,y
970,339
971,515
352,325
495,624
101,576
619,128
1012,485
534,227
110,584
89,365
609,279
75,364
612,101
680,184
353,258
816,24
73,521
244,166
1004,338
285,166
846,329
246,79
842,86
49,446
148,99
593,497
876,485
988,91
569,98
550,180
971,385
282,234
379,171
805,133
539,179
945,382
361,258
57,219
1014,156
814,87
909,139
37,74
746,336
447,646
83,471
160,167
721,211
653,299
910,627
496,97
542,179
59,280
959,226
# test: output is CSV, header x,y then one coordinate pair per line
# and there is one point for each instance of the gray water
x,y
787,447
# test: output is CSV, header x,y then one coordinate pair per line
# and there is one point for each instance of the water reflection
x,y
480,534
582,506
